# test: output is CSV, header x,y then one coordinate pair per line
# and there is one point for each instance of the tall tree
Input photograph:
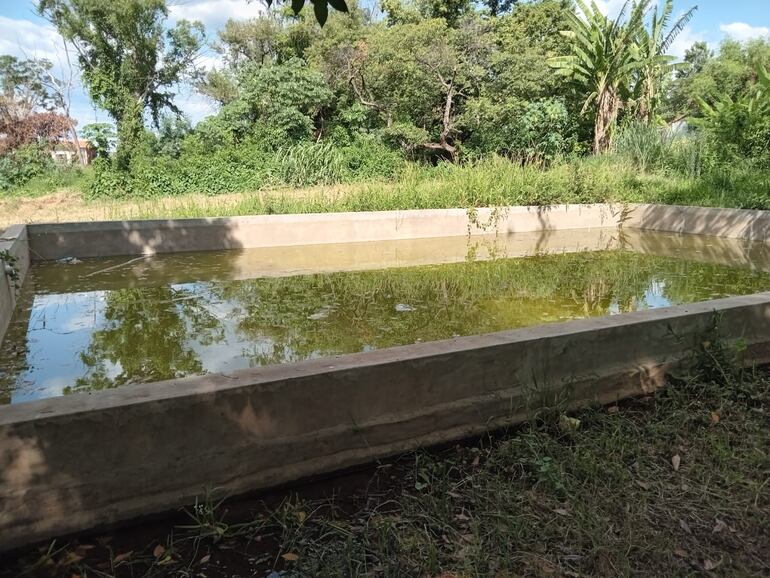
x,y
28,102
130,60
603,58
655,65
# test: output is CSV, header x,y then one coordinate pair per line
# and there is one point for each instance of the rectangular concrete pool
x,y
249,352
90,324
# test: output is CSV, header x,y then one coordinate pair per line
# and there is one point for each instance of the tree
x,y
498,7
740,127
284,100
102,137
526,39
732,73
129,60
415,78
28,104
603,58
655,65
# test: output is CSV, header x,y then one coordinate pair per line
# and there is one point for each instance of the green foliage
x,y
655,66
22,165
283,100
642,144
102,137
129,59
309,164
740,128
603,57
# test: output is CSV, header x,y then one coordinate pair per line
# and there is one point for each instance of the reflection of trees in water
x,y
309,316
148,336
149,333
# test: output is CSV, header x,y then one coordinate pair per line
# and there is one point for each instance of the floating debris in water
x,y
69,261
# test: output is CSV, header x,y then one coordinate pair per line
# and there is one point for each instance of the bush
x,y
368,158
24,164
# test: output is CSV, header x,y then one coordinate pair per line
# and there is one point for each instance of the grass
x,y
673,484
491,182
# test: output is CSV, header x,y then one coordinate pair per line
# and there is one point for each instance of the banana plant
x,y
655,64
605,56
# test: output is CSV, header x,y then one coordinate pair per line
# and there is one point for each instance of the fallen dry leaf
x,y
205,559
719,526
290,557
709,565
715,417
561,512
70,558
613,409
684,526
675,461
568,424
122,557
475,461
158,551
680,553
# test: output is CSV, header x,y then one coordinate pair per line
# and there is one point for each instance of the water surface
x,y
103,323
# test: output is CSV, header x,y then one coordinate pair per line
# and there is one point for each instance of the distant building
x,y
65,152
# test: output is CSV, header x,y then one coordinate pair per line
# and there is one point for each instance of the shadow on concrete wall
x,y
718,222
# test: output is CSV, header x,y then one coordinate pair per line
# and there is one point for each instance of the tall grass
x,y
309,164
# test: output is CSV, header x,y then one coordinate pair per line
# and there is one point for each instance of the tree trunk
x,y
443,143
608,106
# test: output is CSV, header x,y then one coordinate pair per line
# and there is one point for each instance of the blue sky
x,y
24,34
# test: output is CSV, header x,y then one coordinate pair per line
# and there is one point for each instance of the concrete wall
x,y
83,461
732,223
54,241
13,240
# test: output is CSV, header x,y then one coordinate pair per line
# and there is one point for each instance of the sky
x,y
24,34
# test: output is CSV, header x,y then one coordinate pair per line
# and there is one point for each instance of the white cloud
x,y
214,13
27,39
741,31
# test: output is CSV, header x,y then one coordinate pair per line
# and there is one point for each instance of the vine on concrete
x,y
11,268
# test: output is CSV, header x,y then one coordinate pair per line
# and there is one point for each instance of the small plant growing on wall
x,y
10,268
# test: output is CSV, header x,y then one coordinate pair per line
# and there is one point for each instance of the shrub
x,y
22,165
367,157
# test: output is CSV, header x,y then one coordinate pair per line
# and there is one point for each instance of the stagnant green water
x,y
79,329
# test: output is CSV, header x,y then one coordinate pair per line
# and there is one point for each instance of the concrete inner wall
x,y
731,223
13,240
54,241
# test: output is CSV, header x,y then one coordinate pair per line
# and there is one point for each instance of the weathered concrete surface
x,y
730,251
78,462
240,264
13,240
732,223
54,241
